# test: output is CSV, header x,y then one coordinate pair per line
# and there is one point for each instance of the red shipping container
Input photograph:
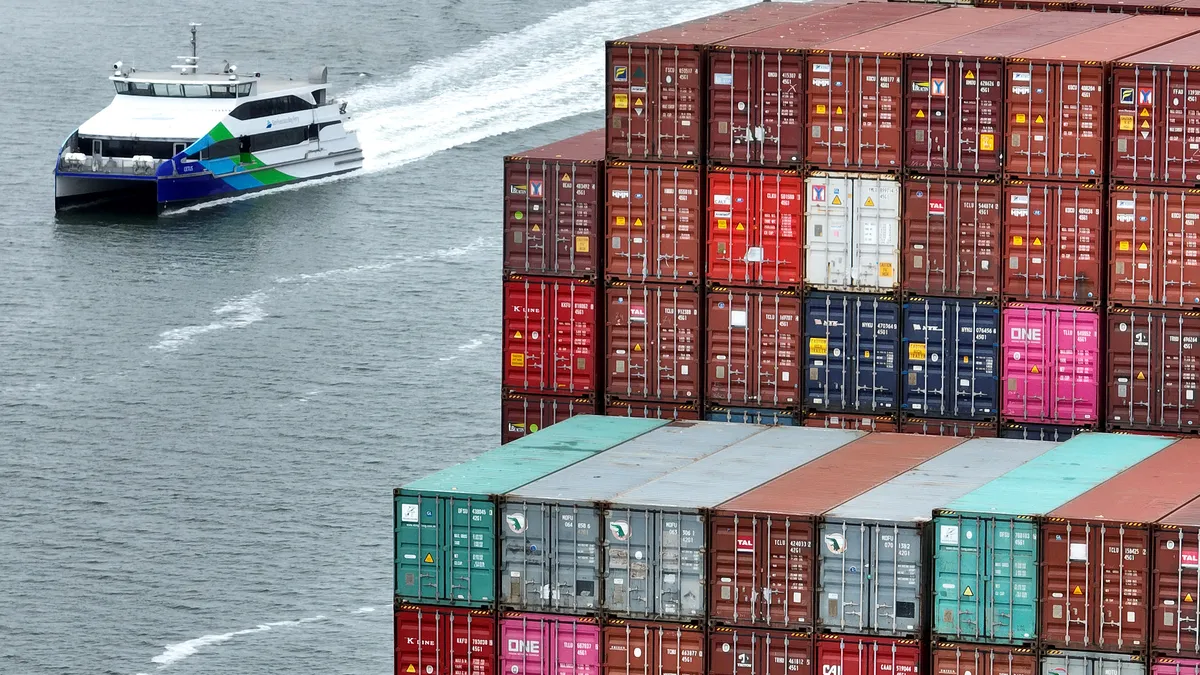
x,y
963,659
844,421
552,208
444,640
1052,363
654,81
854,655
1095,567
749,651
1154,247
655,222
652,648
955,96
754,349
522,414
960,428
755,85
1155,101
763,541
1053,242
652,410
1056,106
550,335
1153,370
855,88
1176,578
653,340
952,229
755,227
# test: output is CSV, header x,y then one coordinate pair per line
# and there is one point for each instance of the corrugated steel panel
x,y
987,545
960,428
851,421
846,654
1053,242
952,236
1153,370
852,353
652,409
963,659
650,648
951,355
444,640
750,651
739,415
655,222
523,414
1040,432
852,232
1152,247
1052,364
1091,663
550,335
653,339
541,644
755,227
871,560
754,353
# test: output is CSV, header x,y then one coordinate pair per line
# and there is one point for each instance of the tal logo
x,y
745,545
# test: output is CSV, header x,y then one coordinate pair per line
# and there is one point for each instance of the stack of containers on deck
x,y
1153,329
1175,610
754,214
987,554
1096,576
603,564
764,570
654,209
445,542
1054,204
552,256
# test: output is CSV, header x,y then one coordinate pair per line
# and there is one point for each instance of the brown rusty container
x,y
754,349
652,410
960,428
851,422
952,236
762,541
1053,242
1153,370
652,342
655,222
523,414
651,648
1095,549
965,659
744,651
955,93
1153,242
1055,97
1176,579
756,108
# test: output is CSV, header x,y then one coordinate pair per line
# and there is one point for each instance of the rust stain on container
x,y
952,229
1054,234
1153,370
1154,247
655,222
652,647
652,342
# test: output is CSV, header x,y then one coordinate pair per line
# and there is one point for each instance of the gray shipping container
x,y
655,535
551,535
1055,662
871,578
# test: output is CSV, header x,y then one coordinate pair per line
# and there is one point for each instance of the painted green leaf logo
x,y
836,543
619,529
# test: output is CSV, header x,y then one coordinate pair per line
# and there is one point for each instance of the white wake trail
x,y
174,653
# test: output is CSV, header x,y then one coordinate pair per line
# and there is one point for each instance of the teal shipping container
x,y
445,523
986,553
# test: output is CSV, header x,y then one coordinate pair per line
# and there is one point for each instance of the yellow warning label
x,y
837,201
1144,113
1077,591
885,269
536,228
516,360
1145,124
916,351
428,557
1018,240
1037,241
920,114
517,335
1122,246
621,220
1187,598
987,142
1143,247
1141,375
869,202
1034,370
866,354
740,228
566,178
1039,120
818,346
838,111
410,669
637,347
820,108
582,244
1126,122
722,224
1020,118
968,593
637,222
620,100
966,359
970,75
637,102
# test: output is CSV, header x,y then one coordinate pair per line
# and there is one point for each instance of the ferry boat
x,y
171,139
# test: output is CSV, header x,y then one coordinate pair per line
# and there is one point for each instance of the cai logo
x,y
836,543
535,188
619,530
516,522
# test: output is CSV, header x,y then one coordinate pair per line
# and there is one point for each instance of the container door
x,y
419,640
929,113
732,227
679,104
875,250
896,580
731,104
528,233
1027,363
630,134
526,646
789,576
831,88
1080,237
786,655
1012,584
1067,561
575,572
1029,101
959,578
576,205
952,230
680,568
1124,588
680,225
630,649
472,578
1182,108
979,118
1077,365
653,343
1180,263
731,347
471,643
1136,246
576,648
777,331
525,543
629,552
735,569
1176,590
1130,368
925,350
780,134
1080,121
1028,220
829,231
420,548
1178,383
1136,142
828,346
779,213
680,651
630,210
846,575
880,128
877,380
976,355
734,651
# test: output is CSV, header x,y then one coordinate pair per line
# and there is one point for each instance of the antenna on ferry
x,y
194,26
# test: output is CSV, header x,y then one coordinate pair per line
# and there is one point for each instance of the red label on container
x,y
1189,558
745,545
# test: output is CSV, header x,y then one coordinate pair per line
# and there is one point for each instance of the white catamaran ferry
x,y
171,139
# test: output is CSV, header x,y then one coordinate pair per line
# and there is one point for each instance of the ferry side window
x,y
243,89
195,90
319,96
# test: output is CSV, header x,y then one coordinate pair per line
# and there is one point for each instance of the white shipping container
x,y
852,237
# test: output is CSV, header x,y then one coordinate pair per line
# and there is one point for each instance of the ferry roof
x,y
266,85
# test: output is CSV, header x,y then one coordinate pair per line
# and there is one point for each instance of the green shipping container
x,y
986,558
445,524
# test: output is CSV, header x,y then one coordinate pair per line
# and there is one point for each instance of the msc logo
x,y
516,522
836,543
619,529
1026,334
535,188
620,73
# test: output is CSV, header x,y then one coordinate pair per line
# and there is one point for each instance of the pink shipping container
x,y
543,644
1052,364
1175,667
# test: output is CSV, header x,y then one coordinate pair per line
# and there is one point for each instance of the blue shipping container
x,y
785,418
987,558
951,358
851,349
1040,432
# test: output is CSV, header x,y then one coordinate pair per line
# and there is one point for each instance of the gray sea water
x,y
202,415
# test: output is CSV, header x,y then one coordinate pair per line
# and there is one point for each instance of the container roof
x,y
526,459
1116,40
1022,34
586,146
842,475
834,24
1182,52
914,35
710,29
1143,493
913,495
1046,482
651,455
738,468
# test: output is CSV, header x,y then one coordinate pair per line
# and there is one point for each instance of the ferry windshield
x,y
183,90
